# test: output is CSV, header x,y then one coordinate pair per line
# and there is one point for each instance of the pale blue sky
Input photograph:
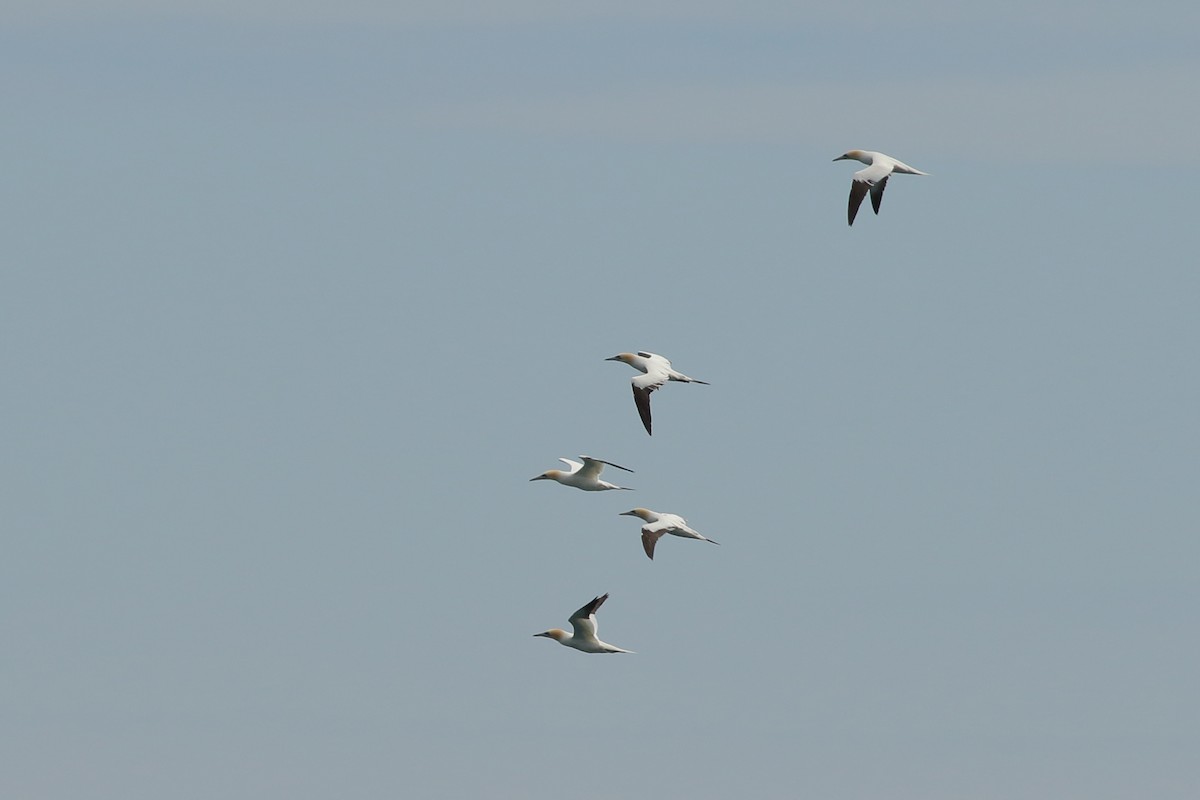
x,y
295,301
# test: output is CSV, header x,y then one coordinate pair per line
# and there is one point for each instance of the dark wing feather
x,y
602,461
858,190
648,542
642,398
877,194
590,608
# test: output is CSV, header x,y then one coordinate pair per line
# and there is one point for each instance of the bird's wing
x,y
591,468
649,539
641,397
651,380
874,173
877,194
864,181
660,526
643,385
858,191
676,526
597,465
584,620
574,465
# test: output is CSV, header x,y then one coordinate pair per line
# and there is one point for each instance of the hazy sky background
x,y
297,297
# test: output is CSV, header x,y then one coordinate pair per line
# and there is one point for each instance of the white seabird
x,y
659,524
657,372
873,179
584,638
584,476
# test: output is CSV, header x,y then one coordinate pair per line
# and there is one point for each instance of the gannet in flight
x,y
658,371
873,179
584,476
658,524
584,638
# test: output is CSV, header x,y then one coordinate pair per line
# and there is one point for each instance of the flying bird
x,y
659,524
584,476
873,179
657,372
584,638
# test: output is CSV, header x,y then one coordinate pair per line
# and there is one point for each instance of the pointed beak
x,y
538,478
627,514
613,358
840,158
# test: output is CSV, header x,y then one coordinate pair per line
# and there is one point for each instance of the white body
x,y
658,525
584,476
657,371
583,636
873,179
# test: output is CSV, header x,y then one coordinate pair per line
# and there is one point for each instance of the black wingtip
x,y
877,194
641,399
858,190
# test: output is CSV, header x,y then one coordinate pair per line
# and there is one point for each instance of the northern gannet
x,y
873,179
658,524
658,371
584,638
584,476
